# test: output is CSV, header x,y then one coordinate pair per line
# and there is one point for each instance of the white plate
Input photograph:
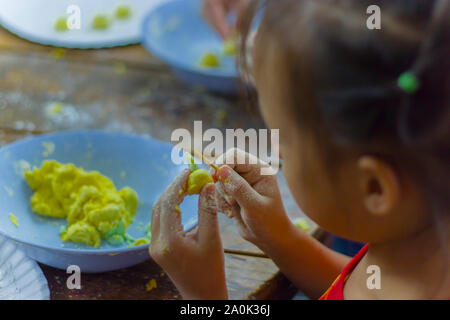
x,y
34,20
20,277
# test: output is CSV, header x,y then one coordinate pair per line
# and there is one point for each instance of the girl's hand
x,y
252,200
216,12
194,260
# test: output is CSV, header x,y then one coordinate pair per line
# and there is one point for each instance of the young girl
x,y
365,137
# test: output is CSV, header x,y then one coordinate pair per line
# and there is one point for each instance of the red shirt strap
x,y
336,290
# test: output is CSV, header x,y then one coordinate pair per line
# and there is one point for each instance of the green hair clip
x,y
408,82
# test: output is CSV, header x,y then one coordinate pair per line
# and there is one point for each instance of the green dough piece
x,y
123,12
100,22
61,24
116,240
63,229
148,232
210,60
191,162
118,236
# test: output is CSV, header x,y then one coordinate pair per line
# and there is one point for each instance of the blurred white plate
x,y
20,277
34,20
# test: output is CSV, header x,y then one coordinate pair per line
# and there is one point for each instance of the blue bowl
x,y
176,33
141,163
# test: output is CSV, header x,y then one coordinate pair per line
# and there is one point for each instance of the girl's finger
x,y
192,233
154,224
238,188
170,216
224,206
222,195
240,7
242,227
246,164
208,225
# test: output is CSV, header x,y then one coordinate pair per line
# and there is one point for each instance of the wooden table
x,y
128,90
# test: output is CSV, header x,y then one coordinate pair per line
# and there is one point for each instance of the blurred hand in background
x,y
217,11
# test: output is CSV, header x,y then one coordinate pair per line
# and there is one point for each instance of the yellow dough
x,y
123,12
14,219
100,22
90,202
210,60
229,47
61,24
197,181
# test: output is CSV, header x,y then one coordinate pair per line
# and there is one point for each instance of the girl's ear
x,y
379,185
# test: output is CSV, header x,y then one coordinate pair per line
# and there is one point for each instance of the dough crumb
x,y
49,148
14,220
123,12
9,191
230,47
100,22
55,108
210,60
302,224
21,166
58,53
151,285
61,24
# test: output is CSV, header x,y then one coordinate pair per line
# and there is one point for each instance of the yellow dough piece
x,y
61,24
302,224
210,60
229,47
14,219
123,12
88,200
197,181
140,241
100,22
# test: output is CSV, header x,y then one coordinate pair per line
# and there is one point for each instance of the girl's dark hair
x,y
342,79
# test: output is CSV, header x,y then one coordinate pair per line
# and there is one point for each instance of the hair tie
x,y
408,82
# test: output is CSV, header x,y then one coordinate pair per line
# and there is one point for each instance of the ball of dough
x,y
230,47
100,22
61,24
210,60
123,12
197,181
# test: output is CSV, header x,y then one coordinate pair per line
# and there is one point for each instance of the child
x,y
364,118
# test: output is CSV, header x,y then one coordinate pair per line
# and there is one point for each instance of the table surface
x,y
126,89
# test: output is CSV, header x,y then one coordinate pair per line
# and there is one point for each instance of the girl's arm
x,y
311,266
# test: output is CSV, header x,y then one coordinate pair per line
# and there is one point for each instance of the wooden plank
x,y
123,284
96,96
